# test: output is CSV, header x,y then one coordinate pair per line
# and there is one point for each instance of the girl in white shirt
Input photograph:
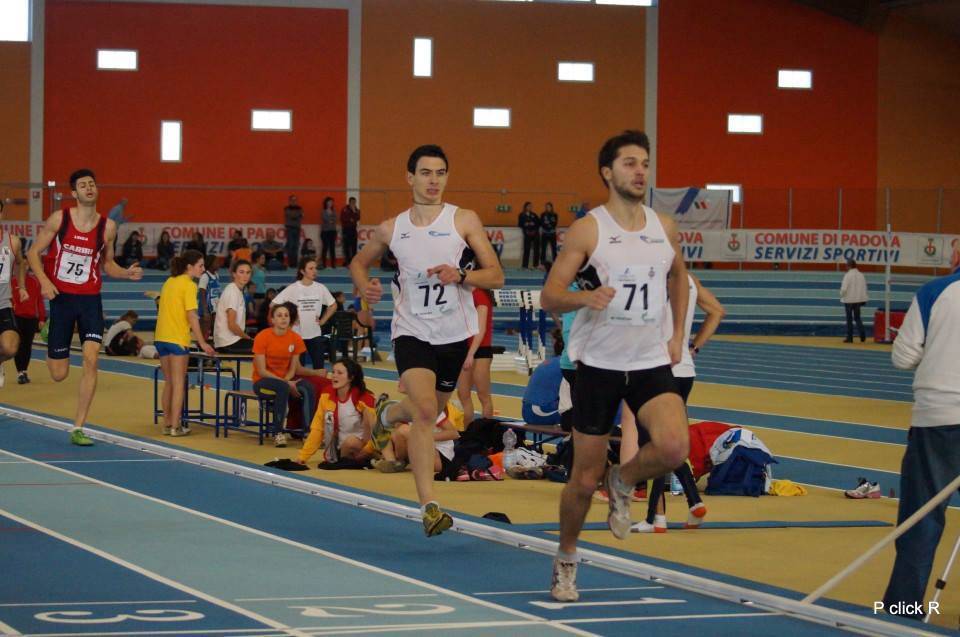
x,y
229,328
315,305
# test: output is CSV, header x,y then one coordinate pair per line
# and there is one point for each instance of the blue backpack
x,y
743,473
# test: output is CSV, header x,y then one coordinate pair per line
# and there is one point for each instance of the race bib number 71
x,y
641,294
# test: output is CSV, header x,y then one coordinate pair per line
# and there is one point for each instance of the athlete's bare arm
x,y
678,286
377,245
707,302
578,245
44,238
21,268
111,267
490,275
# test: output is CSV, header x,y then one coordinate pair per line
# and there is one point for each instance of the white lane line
x,y
294,599
582,590
300,546
266,621
135,601
643,601
653,618
8,631
258,632
109,461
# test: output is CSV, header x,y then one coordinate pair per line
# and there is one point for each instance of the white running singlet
x,y
685,368
422,307
630,334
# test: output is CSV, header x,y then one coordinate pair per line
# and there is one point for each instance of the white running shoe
x,y
563,586
179,431
659,525
865,490
280,440
3,376
619,517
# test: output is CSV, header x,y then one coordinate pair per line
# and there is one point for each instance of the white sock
x,y
660,520
566,557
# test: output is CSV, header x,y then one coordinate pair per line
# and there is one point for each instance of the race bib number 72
x,y
430,299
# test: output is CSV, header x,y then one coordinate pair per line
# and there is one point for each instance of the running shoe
x,y
619,517
435,520
563,585
176,432
280,440
22,378
659,525
167,430
3,377
380,436
77,437
865,490
601,495
639,495
389,466
695,516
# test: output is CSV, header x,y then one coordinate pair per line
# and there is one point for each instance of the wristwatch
x,y
463,274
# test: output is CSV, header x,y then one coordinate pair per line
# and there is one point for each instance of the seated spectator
x,y
237,243
230,324
308,250
348,407
395,455
165,253
274,250
196,243
263,312
132,251
259,276
118,330
276,368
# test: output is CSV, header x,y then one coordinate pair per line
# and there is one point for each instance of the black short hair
x,y
611,148
427,150
77,175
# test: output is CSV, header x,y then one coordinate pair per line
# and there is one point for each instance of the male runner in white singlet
x,y
433,312
625,257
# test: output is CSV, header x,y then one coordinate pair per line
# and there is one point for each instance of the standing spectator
x,y
208,293
196,243
292,221
276,366
328,233
930,342
229,329
132,250
349,218
165,252
529,224
308,250
582,210
176,319
548,233
315,307
273,250
237,242
30,315
853,295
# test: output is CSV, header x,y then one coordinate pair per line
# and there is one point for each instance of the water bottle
x,y
509,448
675,487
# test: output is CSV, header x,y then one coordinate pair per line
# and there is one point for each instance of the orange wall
x,y
503,55
919,137
15,122
725,60
207,66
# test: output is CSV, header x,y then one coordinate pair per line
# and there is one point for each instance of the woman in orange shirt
x,y
277,369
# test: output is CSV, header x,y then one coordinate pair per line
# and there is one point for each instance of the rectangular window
x,y
171,141
14,20
630,3
742,123
116,60
271,120
491,118
794,78
733,188
423,57
575,71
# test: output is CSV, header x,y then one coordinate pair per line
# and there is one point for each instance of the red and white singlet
x,y
73,259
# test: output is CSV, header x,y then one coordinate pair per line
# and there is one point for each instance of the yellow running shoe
x,y
435,521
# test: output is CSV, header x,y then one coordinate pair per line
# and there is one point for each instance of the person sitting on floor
x,y
395,455
118,333
346,410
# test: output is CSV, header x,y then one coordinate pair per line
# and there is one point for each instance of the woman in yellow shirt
x,y
176,319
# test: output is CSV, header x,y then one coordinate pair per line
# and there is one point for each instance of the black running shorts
x,y
598,392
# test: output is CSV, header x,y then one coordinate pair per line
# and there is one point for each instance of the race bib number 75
x,y
641,294
74,268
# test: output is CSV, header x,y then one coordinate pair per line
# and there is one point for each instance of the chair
x,y
342,336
